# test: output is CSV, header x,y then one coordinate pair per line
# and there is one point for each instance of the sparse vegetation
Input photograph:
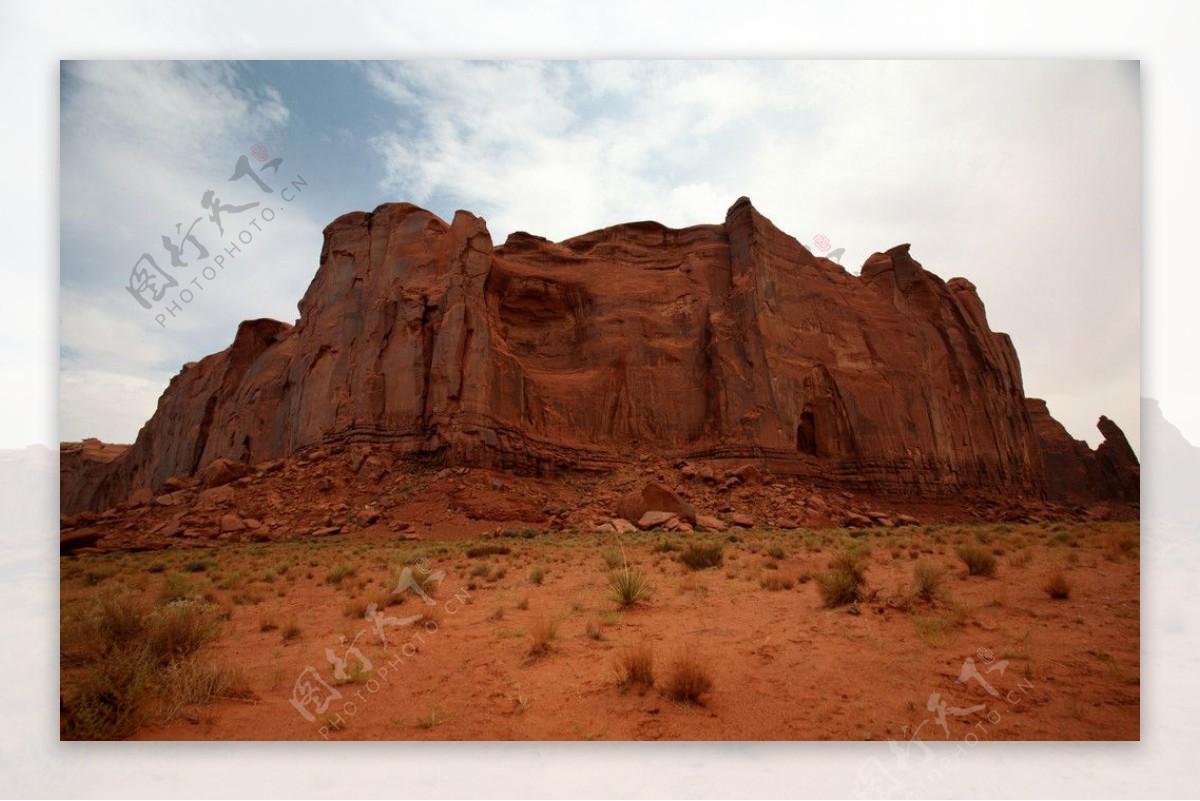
x,y
543,631
1057,586
687,679
927,580
131,657
844,584
775,582
340,573
629,587
148,657
979,560
488,549
1021,558
613,557
635,667
698,556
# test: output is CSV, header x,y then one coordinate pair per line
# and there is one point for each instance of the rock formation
x,y
715,341
1077,474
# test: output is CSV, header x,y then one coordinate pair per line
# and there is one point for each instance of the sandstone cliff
x,y
728,340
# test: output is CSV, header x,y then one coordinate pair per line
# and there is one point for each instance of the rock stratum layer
x,y
728,341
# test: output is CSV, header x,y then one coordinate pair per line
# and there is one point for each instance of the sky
x,y
1022,176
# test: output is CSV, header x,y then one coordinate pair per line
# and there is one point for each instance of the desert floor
x,y
525,639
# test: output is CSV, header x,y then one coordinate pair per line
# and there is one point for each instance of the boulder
x,y
623,526
654,496
709,523
654,519
222,471
231,523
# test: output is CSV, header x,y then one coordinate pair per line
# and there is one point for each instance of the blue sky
x,y
1022,176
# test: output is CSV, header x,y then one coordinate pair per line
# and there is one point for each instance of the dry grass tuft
x,y
698,556
1057,586
979,560
687,679
635,667
776,582
543,631
927,580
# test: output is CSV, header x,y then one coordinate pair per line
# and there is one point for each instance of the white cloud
x,y
141,143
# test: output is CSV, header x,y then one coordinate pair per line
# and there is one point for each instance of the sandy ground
x,y
782,665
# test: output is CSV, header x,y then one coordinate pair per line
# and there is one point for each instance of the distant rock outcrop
x,y
714,341
1074,472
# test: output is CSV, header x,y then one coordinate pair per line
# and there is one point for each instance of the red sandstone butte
x,y
714,341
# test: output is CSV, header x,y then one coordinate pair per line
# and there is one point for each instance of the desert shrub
x,y
198,565
180,629
635,667
613,557
176,587
109,703
341,572
843,585
542,631
129,654
488,549
196,681
1057,586
698,556
775,552
537,574
979,561
853,560
927,580
98,573
291,632
775,582
665,546
1020,558
838,588
628,587
687,679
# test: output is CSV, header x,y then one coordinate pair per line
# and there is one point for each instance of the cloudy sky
x,y
1022,176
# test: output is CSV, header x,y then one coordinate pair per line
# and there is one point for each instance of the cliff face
x,y
727,340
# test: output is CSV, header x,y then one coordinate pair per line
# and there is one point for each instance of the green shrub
x,y
628,587
698,556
